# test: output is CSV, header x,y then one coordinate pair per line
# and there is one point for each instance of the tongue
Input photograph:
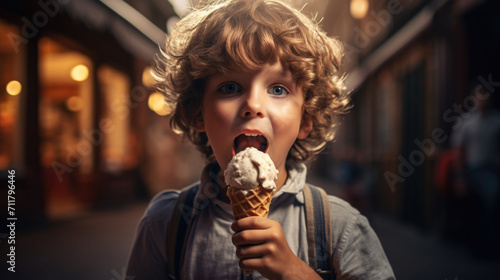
x,y
242,142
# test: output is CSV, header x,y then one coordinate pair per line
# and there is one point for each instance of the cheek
x,y
287,119
218,119
224,109
217,113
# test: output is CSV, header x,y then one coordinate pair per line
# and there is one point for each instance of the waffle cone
x,y
254,202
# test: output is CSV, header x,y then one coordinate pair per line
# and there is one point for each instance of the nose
x,y
253,105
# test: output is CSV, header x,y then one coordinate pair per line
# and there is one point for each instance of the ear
x,y
199,125
306,125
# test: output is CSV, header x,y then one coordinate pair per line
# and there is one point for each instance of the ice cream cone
x,y
250,177
253,202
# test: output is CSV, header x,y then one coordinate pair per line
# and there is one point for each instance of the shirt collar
x,y
296,178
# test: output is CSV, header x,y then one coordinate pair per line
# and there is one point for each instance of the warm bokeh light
x,y
74,103
155,101
165,110
157,104
359,8
80,73
14,87
147,78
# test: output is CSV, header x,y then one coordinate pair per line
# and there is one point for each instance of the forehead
x,y
268,71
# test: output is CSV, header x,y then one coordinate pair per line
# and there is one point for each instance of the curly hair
x,y
250,34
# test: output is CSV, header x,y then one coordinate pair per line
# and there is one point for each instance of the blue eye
x,y
277,90
229,88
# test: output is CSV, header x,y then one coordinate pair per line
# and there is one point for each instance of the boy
x,y
253,73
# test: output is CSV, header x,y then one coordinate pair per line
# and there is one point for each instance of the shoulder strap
x,y
319,235
178,229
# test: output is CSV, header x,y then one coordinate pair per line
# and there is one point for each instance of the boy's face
x,y
263,109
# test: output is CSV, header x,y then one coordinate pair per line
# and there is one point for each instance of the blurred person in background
x,y
477,146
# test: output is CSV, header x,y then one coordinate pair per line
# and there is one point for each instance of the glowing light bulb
x,y
157,104
359,8
14,88
80,73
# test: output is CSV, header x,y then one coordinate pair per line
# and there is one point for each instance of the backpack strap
x,y
319,237
178,230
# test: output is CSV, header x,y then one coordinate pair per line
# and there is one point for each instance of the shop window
x,y
66,115
115,124
12,96
387,104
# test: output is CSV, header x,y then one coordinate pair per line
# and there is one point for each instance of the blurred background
x,y
88,136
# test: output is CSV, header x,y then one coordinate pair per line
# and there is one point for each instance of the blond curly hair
x,y
250,34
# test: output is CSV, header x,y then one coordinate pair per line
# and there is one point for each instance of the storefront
x,y
73,106
412,66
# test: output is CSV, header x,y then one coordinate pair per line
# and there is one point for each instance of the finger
x,y
251,223
251,264
254,251
250,237
248,251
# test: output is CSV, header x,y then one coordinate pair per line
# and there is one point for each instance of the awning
x,y
129,27
405,35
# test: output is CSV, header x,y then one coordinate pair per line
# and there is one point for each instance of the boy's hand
x,y
261,245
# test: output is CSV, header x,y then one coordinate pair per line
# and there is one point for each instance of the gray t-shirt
x,y
210,253
479,135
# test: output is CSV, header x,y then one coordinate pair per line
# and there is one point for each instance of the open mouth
x,y
246,140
